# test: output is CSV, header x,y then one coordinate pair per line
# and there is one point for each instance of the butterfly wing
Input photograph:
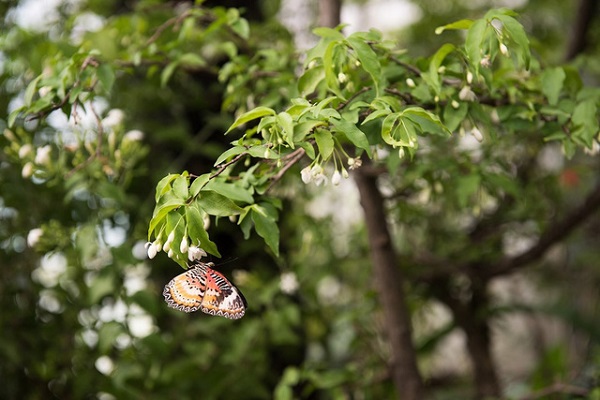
x,y
221,297
186,291
201,287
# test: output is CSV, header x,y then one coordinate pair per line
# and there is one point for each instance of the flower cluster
x,y
193,252
316,173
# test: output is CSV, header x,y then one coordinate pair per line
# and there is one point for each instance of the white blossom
x,y
466,94
134,136
113,118
354,163
42,155
25,150
33,237
152,250
27,170
183,247
336,178
485,61
288,283
477,134
306,175
195,253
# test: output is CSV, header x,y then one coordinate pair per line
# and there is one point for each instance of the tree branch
x,y
553,234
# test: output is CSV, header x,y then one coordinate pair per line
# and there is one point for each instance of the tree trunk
x,y
470,316
578,41
403,359
329,12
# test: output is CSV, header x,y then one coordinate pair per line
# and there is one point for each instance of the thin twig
x,y
223,167
557,388
296,155
171,21
355,95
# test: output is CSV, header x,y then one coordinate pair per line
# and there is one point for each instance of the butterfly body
x,y
203,288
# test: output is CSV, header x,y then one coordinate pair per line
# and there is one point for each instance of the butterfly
x,y
201,287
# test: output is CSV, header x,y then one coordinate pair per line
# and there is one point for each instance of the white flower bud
x,y
410,83
306,175
152,250
27,170
455,104
336,178
477,134
170,253
183,247
33,237
345,173
25,150
134,136
469,77
206,220
503,49
42,155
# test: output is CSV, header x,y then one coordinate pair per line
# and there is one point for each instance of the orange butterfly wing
x,y
203,288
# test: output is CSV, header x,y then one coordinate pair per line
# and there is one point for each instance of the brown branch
x,y
557,388
223,167
579,40
355,95
293,158
171,21
556,232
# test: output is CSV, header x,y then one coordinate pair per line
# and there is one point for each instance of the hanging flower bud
x,y
183,247
336,178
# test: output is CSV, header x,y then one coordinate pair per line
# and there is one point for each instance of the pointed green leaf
x,y
266,227
367,58
324,143
234,151
198,184
458,25
256,113
216,204
286,122
232,191
355,135
474,42
552,83
106,76
196,231
31,91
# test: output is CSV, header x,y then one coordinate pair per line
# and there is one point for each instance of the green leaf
x,y
31,91
328,33
196,231
163,186
258,112
311,78
474,42
330,69
514,30
191,60
13,116
355,135
310,150
216,204
230,190
198,184
325,143
286,122
375,115
432,78
457,25
552,83
453,117
266,227
427,121
304,128
387,128
166,73
367,58
106,76
234,151
180,187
